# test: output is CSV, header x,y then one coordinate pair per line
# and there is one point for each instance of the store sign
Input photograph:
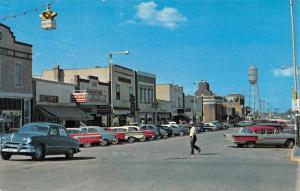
x,y
49,98
103,110
81,97
132,104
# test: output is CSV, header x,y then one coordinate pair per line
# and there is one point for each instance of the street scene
x,y
158,165
149,95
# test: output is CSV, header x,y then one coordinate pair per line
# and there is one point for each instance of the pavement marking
x,y
295,159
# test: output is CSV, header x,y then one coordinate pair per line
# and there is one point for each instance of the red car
x,y
85,139
118,133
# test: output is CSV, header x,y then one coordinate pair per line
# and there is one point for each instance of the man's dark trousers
x,y
193,146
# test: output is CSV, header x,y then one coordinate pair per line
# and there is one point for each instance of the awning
x,y
67,113
183,116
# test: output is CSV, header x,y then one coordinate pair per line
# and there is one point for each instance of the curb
x,y
293,157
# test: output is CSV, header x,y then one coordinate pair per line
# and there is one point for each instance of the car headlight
x,y
28,140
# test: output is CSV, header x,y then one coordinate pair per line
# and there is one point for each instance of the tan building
x,y
163,111
235,106
213,108
174,94
123,93
15,81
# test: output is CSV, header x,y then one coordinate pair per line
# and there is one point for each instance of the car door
x,y
65,141
57,143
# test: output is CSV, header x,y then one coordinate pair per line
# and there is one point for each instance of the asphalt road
x,y
158,165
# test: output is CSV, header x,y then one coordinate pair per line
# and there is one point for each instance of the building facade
x,y
235,106
174,94
146,99
97,99
193,107
15,81
53,102
122,91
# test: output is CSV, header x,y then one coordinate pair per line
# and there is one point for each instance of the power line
x,y
23,13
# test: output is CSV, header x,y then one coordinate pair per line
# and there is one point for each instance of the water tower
x,y
254,99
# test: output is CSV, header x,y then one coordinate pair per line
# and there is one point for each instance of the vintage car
x,y
149,134
177,130
159,133
38,140
243,124
209,127
167,129
261,135
120,135
107,137
86,139
132,133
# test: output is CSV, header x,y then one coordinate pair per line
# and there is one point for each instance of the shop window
x,y
118,95
18,74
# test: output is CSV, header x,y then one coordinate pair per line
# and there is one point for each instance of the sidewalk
x,y
295,156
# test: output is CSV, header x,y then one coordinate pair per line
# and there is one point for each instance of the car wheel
x,y
104,142
131,139
86,145
151,138
5,156
143,139
173,134
115,142
70,154
39,153
250,144
240,145
181,133
289,144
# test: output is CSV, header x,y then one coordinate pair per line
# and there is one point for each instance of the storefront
x,y
97,99
15,81
53,103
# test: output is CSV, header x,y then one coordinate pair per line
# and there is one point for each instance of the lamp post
x,y
295,91
194,110
111,78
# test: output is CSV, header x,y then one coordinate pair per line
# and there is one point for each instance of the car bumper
x,y
22,149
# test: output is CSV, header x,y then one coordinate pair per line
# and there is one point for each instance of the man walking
x,y
193,139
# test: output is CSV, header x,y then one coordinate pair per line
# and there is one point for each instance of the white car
x,y
132,133
209,127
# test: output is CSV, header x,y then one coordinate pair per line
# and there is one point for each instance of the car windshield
x,y
34,129
74,131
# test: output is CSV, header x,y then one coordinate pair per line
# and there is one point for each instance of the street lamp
x,y
295,92
194,110
111,78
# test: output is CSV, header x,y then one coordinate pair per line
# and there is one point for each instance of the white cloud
x,y
283,71
167,17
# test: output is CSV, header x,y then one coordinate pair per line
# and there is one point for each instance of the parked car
x,y
177,130
185,128
209,127
107,137
218,124
132,133
199,127
162,132
38,140
120,135
149,134
263,135
243,124
86,139
167,129
154,130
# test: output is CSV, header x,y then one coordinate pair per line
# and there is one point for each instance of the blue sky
x,y
179,41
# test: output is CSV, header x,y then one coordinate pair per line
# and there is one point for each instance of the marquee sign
x,y
79,97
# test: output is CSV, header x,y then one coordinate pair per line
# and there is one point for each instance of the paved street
x,y
158,165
